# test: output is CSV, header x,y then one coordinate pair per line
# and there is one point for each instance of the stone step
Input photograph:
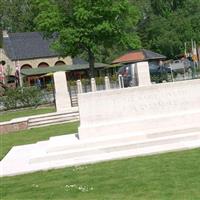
x,y
112,147
60,144
20,156
54,116
53,119
52,122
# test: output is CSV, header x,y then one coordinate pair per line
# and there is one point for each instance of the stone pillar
x,y
121,81
63,102
93,85
143,74
79,86
107,83
133,75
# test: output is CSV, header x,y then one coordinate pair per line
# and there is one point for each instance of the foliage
x,y
99,31
17,15
169,25
159,78
88,26
165,7
22,97
100,80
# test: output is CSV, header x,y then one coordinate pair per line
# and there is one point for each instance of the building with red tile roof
x,y
139,56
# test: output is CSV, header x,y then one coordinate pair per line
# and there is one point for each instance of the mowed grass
x,y
7,141
8,115
159,177
171,176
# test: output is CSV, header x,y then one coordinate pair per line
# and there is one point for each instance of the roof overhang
x,y
66,68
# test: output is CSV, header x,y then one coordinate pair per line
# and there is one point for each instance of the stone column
x,y
107,83
143,74
121,81
133,75
62,97
79,86
93,85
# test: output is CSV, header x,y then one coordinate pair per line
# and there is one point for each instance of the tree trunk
x,y
91,63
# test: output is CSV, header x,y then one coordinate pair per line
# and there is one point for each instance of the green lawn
x,y
6,116
172,176
7,141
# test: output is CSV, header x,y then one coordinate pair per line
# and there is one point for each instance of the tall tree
x,y
165,7
169,26
17,15
88,26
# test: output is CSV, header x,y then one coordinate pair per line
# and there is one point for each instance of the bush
x,y
22,97
100,80
159,78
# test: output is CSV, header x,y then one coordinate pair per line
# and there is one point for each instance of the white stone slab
x,y
142,74
35,157
165,106
63,102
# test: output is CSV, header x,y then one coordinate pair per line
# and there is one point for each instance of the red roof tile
x,y
136,56
133,56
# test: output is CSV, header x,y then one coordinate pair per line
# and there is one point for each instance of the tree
x,y
165,7
88,26
17,15
166,30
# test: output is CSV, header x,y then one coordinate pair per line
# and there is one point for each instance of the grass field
x,y
172,176
7,141
6,116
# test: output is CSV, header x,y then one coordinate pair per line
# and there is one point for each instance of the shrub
x,y
100,80
30,96
22,97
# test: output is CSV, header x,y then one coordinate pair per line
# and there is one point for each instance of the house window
x,y
60,63
43,64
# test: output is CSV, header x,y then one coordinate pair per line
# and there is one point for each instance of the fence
x,y
97,84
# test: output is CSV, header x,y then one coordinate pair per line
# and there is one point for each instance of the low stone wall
x,y
166,106
12,126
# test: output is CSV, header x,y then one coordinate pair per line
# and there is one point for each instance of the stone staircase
x,y
74,101
53,118
68,150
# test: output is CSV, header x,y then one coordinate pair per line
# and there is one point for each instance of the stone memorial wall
x,y
140,109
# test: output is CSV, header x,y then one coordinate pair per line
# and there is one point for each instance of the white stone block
x,y
138,109
121,81
134,75
63,102
79,86
107,83
143,74
93,85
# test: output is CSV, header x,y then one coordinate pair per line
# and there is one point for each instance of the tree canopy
x,y
102,29
88,26
17,15
169,25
